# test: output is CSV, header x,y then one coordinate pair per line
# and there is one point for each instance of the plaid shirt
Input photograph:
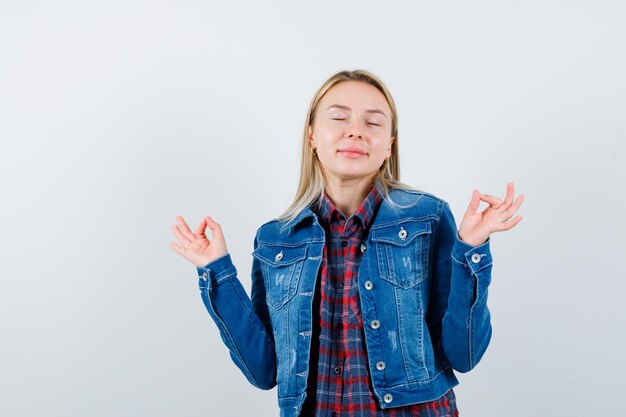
x,y
339,377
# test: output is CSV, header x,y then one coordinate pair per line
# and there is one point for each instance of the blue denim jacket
x,y
423,295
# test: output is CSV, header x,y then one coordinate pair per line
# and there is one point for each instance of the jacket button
x,y
388,398
375,324
279,256
380,365
368,285
475,258
362,248
402,233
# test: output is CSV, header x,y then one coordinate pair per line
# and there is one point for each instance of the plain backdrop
x,y
117,116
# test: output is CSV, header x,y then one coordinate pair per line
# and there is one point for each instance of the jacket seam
x,y
404,220
231,339
419,382
471,332
221,279
262,329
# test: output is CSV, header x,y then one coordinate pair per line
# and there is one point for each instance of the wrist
x,y
470,241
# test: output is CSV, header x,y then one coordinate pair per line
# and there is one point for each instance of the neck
x,y
348,194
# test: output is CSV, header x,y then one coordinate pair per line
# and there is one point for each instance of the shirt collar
x,y
328,212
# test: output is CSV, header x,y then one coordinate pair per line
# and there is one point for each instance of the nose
x,y
354,132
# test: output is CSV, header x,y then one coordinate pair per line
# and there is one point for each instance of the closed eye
x,y
370,123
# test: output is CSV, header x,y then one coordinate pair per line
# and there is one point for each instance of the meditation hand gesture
x,y
196,247
476,227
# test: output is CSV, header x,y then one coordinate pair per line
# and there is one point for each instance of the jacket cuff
x,y
216,271
473,257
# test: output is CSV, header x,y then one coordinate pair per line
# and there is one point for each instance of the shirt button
x,y
368,285
362,248
375,324
475,258
337,369
380,365
344,243
388,398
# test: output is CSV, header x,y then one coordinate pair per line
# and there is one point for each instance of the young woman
x,y
365,297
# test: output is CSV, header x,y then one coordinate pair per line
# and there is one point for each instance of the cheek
x,y
380,145
327,136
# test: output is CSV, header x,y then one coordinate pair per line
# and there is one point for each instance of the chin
x,y
352,174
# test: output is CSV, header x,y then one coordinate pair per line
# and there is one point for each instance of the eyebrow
x,y
341,106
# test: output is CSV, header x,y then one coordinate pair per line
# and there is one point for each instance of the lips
x,y
353,151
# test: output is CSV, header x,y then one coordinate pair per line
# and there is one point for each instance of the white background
x,y
117,116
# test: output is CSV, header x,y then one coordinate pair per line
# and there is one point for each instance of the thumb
x,y
474,202
216,229
201,228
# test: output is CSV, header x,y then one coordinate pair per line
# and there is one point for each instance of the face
x,y
352,130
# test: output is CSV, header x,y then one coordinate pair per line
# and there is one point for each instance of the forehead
x,y
357,95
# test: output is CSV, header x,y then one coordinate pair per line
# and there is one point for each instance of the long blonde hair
x,y
312,182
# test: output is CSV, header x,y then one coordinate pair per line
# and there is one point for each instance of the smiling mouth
x,y
351,154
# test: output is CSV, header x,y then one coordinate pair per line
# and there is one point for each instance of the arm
x,y
458,313
244,324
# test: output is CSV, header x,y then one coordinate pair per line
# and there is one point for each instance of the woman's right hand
x,y
196,247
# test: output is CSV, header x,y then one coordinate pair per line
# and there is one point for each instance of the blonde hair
x,y
312,180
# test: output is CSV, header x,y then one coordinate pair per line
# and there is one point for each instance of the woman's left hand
x,y
476,227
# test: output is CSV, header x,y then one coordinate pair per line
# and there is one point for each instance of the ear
x,y
311,138
390,143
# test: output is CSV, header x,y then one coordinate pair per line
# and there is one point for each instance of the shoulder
x,y
416,202
415,195
270,227
288,232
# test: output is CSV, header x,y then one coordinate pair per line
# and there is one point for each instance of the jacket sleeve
x,y
243,323
458,309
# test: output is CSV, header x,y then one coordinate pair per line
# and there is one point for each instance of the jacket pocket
x,y
281,267
402,252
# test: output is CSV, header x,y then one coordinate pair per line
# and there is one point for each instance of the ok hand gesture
x,y
476,227
196,247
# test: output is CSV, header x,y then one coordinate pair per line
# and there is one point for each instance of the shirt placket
x,y
346,291
338,319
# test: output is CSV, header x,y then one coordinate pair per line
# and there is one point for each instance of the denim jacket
x,y
423,295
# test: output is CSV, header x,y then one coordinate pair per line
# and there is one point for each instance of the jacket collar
x,y
308,212
327,211
304,214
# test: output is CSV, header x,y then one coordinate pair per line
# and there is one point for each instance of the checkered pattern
x,y
339,376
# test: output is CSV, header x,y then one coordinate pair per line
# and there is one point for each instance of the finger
x,y
177,248
510,224
185,228
511,210
201,228
216,229
181,238
474,202
494,202
508,199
